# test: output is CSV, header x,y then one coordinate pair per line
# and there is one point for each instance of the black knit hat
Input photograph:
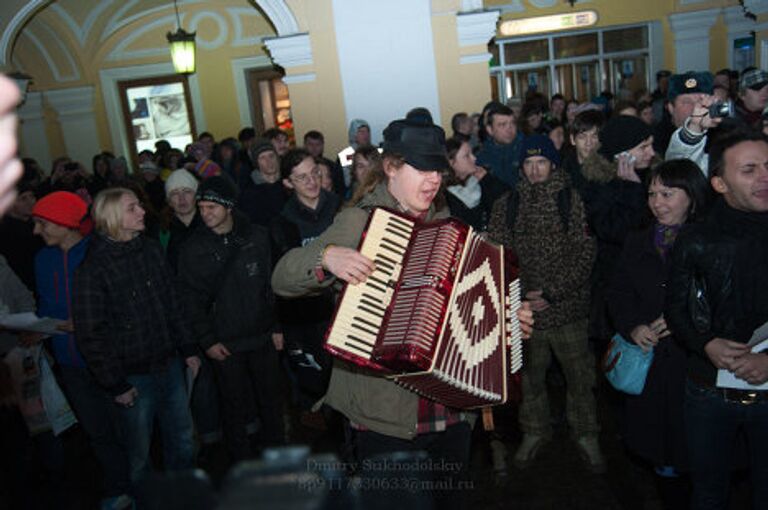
x,y
261,145
622,133
219,189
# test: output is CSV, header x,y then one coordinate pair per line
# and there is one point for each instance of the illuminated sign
x,y
552,23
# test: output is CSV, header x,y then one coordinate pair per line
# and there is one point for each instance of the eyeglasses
x,y
304,178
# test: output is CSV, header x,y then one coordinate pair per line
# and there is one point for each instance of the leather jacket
x,y
718,285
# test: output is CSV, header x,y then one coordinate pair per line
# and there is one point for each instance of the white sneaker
x,y
528,449
589,448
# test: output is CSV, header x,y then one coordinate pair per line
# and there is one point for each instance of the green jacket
x,y
369,400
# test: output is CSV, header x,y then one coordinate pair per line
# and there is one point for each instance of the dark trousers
x,y
712,425
97,413
308,364
17,472
205,404
258,370
443,475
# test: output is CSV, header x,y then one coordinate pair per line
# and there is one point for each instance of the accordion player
x,y
438,314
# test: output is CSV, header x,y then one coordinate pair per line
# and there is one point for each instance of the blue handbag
x,y
626,365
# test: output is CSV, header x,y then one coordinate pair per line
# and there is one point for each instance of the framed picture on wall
x,y
157,109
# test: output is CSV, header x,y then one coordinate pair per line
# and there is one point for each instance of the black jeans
x,y
444,474
712,425
205,404
260,370
96,412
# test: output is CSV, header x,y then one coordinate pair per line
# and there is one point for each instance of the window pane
x,y
159,112
579,81
565,80
526,52
625,39
576,45
629,76
495,87
590,83
512,85
534,80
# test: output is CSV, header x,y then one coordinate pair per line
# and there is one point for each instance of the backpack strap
x,y
513,206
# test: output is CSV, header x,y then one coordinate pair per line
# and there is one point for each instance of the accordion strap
x,y
487,418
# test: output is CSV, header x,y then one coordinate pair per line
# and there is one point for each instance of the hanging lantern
x,y
182,47
182,51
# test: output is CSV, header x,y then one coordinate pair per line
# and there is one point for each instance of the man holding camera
x,y
704,112
685,92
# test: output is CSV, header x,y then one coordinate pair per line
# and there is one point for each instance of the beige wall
x,y
78,63
318,103
462,87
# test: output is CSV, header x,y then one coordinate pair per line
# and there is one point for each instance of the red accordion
x,y
438,314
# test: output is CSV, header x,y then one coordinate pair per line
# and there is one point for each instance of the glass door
x,y
580,81
270,101
630,74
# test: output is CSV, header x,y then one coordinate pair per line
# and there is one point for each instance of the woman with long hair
x,y
365,160
678,194
470,189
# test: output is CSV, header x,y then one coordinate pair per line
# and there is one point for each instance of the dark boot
x,y
674,492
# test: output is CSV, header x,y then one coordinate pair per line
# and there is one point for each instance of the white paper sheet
x,y
28,321
759,343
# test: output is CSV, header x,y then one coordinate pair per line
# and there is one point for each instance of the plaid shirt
x,y
432,417
127,317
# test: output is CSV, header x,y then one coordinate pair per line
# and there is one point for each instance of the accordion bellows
x,y
438,315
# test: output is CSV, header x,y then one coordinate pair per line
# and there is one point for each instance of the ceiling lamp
x,y
182,47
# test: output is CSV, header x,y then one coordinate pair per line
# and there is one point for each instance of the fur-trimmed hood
x,y
598,169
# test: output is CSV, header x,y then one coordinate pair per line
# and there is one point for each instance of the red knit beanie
x,y
61,207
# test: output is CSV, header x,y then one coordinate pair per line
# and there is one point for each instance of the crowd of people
x,y
188,284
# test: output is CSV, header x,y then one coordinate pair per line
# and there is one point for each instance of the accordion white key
x,y
438,315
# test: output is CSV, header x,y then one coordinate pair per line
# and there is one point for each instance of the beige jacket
x,y
369,400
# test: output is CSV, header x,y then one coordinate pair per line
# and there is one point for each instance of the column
x,y
78,123
294,54
386,60
691,31
34,142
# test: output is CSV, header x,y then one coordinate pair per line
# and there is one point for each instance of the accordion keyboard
x,y
359,318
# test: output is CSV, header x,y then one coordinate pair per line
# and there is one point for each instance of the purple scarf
x,y
664,237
